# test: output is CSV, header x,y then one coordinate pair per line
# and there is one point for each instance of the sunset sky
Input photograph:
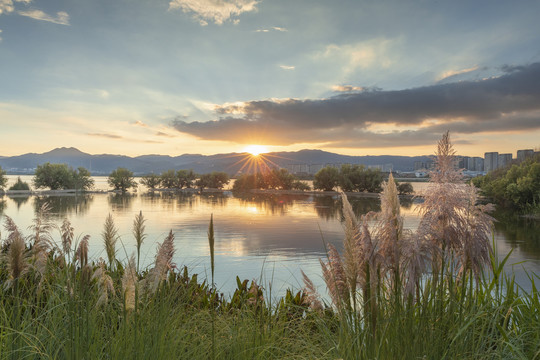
x,y
355,77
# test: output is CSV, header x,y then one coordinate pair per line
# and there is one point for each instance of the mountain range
x,y
231,163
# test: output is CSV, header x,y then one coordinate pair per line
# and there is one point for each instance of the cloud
x,y
108,136
510,102
363,55
61,17
7,6
140,123
217,11
118,137
159,133
347,88
0,35
287,67
273,28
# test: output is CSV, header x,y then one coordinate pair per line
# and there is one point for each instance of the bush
x,y
20,185
405,188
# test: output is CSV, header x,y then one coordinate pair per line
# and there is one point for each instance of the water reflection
x,y
61,206
20,200
121,202
519,232
270,204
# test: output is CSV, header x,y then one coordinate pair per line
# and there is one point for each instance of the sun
x,y
255,150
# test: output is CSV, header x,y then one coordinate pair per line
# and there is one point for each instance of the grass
x,y
437,293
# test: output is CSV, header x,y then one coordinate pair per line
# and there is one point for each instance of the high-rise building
x,y
523,154
504,160
479,163
491,161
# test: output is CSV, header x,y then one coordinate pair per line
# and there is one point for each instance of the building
x,y
479,163
523,154
504,160
491,161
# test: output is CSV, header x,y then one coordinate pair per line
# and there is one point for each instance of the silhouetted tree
x,y
122,179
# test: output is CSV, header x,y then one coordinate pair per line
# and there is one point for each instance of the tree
x,y
82,179
326,179
3,179
151,181
168,179
215,180
300,185
61,176
185,178
122,179
53,176
405,188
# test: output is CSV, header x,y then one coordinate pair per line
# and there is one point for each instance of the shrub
x,y
122,179
20,185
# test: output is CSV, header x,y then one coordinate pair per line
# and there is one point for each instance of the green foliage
x,y
405,188
185,178
517,187
358,178
151,181
326,179
65,311
214,180
3,179
168,179
122,179
275,179
20,185
61,176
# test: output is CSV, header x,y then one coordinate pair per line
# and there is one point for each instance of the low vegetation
x,y
20,185
436,293
516,187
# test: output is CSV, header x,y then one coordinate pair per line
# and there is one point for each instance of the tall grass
x,y
439,292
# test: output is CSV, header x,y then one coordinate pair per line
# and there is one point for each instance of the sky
x,y
355,77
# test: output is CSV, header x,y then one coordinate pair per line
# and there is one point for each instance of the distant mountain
x,y
231,163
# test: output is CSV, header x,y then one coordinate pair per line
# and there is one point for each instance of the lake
x,y
265,237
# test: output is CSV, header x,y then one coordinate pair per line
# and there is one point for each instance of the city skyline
x,y
183,76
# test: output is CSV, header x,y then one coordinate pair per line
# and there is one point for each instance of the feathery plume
x,y
17,262
67,236
162,265
81,254
128,284
352,252
110,236
334,277
138,233
104,283
312,294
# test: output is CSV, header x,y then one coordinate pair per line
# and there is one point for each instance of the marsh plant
x,y
438,292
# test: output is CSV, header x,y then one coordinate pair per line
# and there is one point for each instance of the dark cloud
x,y
508,102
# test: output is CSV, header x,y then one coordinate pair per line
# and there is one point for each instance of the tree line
x,y
64,177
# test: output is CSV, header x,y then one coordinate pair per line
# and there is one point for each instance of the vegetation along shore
x,y
438,292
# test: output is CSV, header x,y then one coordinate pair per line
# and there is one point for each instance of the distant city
x,y
472,166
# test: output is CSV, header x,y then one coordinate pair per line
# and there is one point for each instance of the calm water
x,y
263,237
